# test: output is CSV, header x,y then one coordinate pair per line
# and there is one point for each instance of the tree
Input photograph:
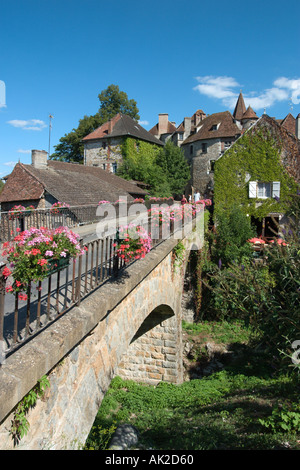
x,y
112,102
139,163
172,160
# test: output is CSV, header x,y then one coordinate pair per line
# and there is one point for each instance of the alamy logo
x,y
2,352
296,354
2,94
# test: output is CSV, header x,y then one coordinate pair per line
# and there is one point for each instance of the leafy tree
x,y
164,169
172,160
230,242
112,102
139,163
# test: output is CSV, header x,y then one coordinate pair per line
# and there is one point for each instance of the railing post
x,y
2,300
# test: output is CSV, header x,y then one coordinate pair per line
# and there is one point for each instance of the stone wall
x,y
95,154
154,354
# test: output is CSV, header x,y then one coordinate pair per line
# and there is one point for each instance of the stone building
x,y
261,173
213,135
103,146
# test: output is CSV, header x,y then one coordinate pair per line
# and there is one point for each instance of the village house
x,y
260,172
46,182
103,146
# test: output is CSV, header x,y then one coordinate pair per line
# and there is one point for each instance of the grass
x,y
247,405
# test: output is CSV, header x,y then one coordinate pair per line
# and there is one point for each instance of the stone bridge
x,y
130,326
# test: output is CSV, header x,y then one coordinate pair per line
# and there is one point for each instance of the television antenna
x,y
50,128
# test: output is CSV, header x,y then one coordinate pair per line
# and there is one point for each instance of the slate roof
x,y
72,183
122,125
226,127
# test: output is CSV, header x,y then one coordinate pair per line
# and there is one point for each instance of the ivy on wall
x,y
256,156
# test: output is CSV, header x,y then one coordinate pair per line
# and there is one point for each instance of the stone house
x,y
45,182
103,146
261,173
213,135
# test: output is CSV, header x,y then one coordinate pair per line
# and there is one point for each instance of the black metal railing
x,y
49,299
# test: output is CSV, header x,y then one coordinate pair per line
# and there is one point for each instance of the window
x,y
212,165
191,149
204,148
114,167
262,190
104,166
180,136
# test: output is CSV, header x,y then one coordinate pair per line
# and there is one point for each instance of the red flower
x,y
6,272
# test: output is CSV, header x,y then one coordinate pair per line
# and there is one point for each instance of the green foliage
x,y
20,425
216,412
100,437
164,169
233,231
112,102
174,164
283,418
178,255
139,163
257,155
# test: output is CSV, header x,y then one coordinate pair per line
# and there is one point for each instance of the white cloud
x,y
30,125
218,87
292,86
24,151
224,88
143,123
10,163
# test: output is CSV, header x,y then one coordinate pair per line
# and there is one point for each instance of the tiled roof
x,y
240,108
225,128
72,183
21,185
122,125
170,129
289,123
249,114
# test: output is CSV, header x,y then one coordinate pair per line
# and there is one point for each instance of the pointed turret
x,y
240,108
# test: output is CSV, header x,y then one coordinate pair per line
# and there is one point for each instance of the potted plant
x,y
133,242
36,253
55,208
16,211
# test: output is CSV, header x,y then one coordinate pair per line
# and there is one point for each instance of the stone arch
x,y
153,354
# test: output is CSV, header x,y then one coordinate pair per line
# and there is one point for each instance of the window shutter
x,y
252,189
276,189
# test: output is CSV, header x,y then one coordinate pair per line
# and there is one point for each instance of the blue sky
x,y
170,56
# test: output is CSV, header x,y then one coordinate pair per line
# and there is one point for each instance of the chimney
x,y
298,126
163,123
187,126
39,159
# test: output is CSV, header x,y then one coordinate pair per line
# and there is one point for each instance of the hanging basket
x,y
55,265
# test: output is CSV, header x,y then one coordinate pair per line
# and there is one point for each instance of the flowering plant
x,y
57,206
15,211
139,199
103,202
31,252
134,244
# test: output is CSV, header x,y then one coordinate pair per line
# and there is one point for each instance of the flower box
x,y
55,265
